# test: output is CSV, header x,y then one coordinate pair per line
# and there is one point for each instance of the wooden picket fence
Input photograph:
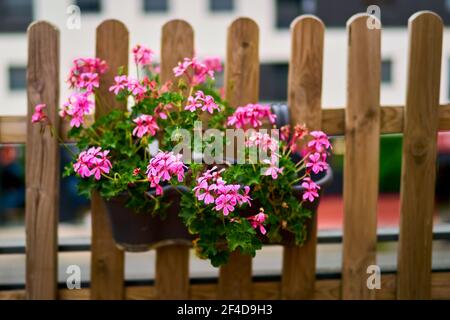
x,y
361,122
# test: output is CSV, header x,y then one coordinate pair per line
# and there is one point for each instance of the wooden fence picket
x,y
107,261
241,87
42,164
305,107
419,156
172,262
361,161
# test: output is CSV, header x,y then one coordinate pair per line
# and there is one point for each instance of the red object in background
x,y
443,142
8,154
331,211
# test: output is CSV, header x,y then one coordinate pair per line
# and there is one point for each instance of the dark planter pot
x,y
140,231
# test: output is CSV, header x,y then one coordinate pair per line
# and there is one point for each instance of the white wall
x,y
210,34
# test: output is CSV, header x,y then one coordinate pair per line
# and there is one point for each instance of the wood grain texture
x,y
177,43
419,156
362,153
305,107
107,261
267,290
241,88
13,128
42,164
172,272
172,262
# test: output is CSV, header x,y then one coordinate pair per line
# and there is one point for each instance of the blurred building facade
x,y
210,19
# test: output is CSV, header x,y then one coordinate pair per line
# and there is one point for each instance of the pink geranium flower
x,y
320,141
145,125
226,203
213,63
212,189
76,107
163,167
120,83
92,162
88,81
262,140
142,55
195,71
251,115
273,170
200,101
85,66
39,115
311,189
315,163
257,221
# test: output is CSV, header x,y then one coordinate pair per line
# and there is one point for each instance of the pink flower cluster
x,y
39,115
196,72
257,221
262,140
85,72
145,125
84,76
317,150
251,114
213,63
162,167
300,131
311,189
142,55
92,162
200,101
139,89
212,189
76,107
267,143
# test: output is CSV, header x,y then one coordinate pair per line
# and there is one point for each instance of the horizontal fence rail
x,y
13,128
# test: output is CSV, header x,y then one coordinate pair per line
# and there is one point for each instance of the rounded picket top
x,y
42,24
177,24
114,25
425,15
245,23
364,18
307,19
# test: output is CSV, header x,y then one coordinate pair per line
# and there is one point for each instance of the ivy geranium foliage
x,y
229,206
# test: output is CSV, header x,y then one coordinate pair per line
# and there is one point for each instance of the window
x,y
221,5
273,82
15,15
89,6
288,10
156,6
386,71
17,78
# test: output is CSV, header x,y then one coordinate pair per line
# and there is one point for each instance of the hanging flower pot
x,y
141,231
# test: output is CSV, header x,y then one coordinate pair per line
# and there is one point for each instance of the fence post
x,y
304,101
362,153
241,87
42,164
419,156
172,261
107,261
